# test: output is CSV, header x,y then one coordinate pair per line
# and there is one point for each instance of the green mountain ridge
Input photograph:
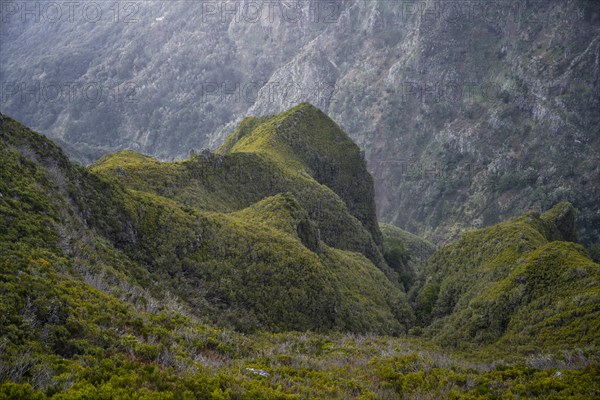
x,y
241,174
314,143
513,282
468,116
146,279
255,242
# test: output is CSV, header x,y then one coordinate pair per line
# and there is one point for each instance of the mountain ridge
x,y
498,284
467,117
154,213
146,279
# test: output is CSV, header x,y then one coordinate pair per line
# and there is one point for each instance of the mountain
x,y
303,140
506,284
469,114
136,278
230,233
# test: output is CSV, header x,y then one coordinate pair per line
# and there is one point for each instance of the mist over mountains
x,y
468,112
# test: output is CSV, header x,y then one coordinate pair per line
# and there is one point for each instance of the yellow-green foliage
x,y
241,235
109,280
257,268
509,284
300,366
235,181
303,140
142,172
257,263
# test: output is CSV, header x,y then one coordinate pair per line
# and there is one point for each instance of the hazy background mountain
x,y
468,112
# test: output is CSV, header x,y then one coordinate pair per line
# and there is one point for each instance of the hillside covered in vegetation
x,y
469,112
260,271
524,283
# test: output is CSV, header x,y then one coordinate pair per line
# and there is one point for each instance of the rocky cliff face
x,y
468,112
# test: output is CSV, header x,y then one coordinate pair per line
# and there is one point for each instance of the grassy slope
x,y
304,141
516,284
217,188
297,152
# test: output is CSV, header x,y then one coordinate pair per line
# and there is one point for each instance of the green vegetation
x,y
405,253
303,140
239,275
512,282
253,241
300,151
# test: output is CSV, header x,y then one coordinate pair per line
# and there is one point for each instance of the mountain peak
x,y
288,136
304,140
